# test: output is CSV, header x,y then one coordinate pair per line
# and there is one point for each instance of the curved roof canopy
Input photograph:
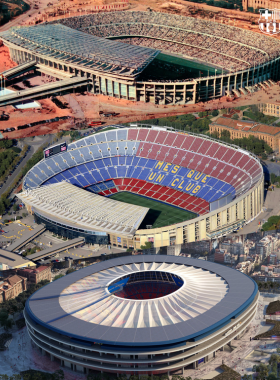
x,y
81,306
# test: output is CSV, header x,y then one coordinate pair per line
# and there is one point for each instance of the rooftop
x,y
72,46
247,126
14,260
83,209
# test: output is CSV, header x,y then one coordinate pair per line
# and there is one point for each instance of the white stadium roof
x,y
89,299
71,205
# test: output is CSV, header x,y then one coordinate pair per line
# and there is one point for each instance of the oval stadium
x,y
150,314
151,57
129,186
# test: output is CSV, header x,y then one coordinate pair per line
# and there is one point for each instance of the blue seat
x,y
107,162
67,156
83,168
122,134
97,176
115,160
82,180
109,184
50,181
100,137
150,163
77,156
112,172
97,153
99,164
122,145
42,176
128,160
74,171
60,177
60,160
121,171
113,148
102,186
111,135
89,178
104,174
90,166
121,160
136,172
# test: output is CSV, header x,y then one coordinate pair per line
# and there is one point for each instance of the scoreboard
x,y
55,150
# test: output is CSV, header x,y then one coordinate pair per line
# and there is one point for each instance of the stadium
x,y
149,314
150,56
129,186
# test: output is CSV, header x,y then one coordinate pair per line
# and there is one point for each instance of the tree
x,y
148,245
58,375
274,358
5,321
70,270
215,113
273,178
225,133
262,371
58,276
272,376
2,208
247,377
15,207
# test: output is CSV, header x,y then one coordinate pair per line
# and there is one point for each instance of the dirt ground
x,y
5,60
133,111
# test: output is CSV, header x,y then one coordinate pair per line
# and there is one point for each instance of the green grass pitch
x,y
159,215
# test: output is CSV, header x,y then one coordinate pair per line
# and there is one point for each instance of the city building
x,y
267,245
241,128
36,275
263,4
232,247
141,319
219,256
10,260
270,109
272,259
11,287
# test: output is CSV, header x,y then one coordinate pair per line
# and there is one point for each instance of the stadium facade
x,y
221,184
147,314
89,46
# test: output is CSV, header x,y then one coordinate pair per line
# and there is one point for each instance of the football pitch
x,y
159,215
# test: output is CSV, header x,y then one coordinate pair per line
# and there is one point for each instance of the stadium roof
x,y
80,208
72,46
80,306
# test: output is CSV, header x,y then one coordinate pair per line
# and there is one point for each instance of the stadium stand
x,y
187,171
222,45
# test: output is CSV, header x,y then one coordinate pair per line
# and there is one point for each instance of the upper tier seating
x,y
200,167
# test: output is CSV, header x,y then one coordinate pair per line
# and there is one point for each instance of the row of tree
x,y
269,285
273,223
251,143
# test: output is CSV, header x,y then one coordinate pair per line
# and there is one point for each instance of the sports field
x,y
159,215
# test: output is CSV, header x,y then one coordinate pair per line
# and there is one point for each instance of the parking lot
x,y
16,228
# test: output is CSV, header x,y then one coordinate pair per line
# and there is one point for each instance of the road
x,y
34,146
21,18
